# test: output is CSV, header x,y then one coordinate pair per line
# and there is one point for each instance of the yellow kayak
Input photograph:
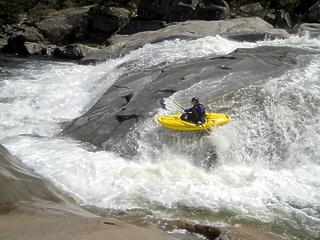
x,y
212,120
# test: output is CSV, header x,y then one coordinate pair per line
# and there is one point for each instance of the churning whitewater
x,y
262,168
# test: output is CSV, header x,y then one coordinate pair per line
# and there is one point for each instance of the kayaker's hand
x,y
199,123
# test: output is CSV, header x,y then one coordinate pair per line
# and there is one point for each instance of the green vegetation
x,y
289,5
11,9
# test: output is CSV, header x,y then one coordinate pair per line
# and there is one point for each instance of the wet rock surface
x,y
133,99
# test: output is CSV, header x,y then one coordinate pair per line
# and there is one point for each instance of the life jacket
x,y
198,111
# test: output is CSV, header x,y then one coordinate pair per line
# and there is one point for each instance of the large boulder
x,y
130,100
31,36
211,10
181,10
133,99
18,38
109,19
243,29
64,26
284,19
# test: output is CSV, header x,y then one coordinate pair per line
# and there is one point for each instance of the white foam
x,y
267,164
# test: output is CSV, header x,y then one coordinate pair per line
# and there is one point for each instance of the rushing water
x,y
261,169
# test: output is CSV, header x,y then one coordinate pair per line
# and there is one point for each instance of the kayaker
x,y
195,114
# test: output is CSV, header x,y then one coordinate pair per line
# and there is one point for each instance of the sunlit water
x,y
262,168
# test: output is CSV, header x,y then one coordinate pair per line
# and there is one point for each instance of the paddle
x,y
179,105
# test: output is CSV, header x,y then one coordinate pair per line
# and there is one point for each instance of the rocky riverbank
x,y
75,33
30,208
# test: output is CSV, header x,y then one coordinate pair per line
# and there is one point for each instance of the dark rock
x,y
153,10
211,10
101,22
16,41
283,20
210,232
109,19
313,14
223,233
64,26
181,10
270,17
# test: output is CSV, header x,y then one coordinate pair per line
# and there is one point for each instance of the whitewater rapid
x,y
262,168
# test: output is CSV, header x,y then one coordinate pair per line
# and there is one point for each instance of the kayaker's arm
x,y
188,109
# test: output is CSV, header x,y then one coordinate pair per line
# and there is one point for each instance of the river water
x,y
260,169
